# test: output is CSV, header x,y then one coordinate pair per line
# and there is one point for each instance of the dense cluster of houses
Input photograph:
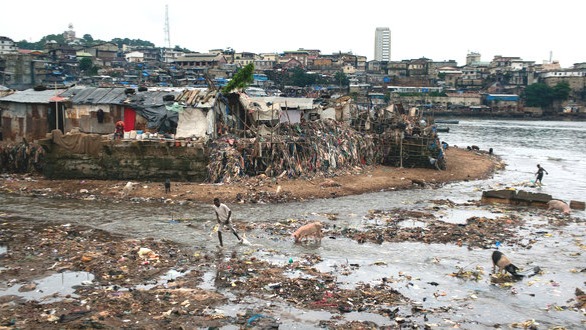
x,y
46,89
183,113
123,65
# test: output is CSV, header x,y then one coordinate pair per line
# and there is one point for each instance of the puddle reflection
x,y
52,288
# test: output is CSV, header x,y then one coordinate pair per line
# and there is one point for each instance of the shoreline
x,y
466,114
462,165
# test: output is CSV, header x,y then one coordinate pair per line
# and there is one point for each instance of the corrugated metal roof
x,y
151,98
31,96
96,95
197,98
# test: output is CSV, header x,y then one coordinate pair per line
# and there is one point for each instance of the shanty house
x,y
30,114
272,110
93,109
185,113
199,111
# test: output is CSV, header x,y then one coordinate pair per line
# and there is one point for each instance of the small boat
x,y
442,129
446,121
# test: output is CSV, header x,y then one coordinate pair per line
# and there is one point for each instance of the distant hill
x,y
87,40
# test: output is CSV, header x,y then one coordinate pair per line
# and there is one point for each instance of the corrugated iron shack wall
x,y
129,160
24,120
85,117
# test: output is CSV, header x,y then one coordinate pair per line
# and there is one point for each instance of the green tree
x,y
538,95
59,38
88,38
179,49
541,95
561,91
86,64
387,97
241,79
132,42
341,79
298,77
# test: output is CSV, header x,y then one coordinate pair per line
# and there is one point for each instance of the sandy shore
x,y
461,165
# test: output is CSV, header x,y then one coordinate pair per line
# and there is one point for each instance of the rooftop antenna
x,y
167,33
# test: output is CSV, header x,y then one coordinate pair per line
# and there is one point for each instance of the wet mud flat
x,y
111,281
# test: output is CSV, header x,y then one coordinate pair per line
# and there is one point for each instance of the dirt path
x,y
461,165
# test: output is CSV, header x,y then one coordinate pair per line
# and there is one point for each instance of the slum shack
x,y
407,139
293,137
296,137
202,135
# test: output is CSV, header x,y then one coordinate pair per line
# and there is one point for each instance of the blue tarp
x,y
502,97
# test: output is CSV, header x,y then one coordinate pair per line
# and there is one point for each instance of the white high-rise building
x,y
382,44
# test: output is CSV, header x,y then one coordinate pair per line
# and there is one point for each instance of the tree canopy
x,y
86,40
132,42
541,95
85,64
241,79
23,44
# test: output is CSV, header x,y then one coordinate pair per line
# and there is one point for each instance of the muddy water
x,y
419,271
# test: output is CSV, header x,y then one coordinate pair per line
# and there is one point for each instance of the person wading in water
x,y
224,217
539,174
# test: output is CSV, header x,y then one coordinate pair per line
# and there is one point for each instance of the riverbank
x,y
63,272
503,115
462,164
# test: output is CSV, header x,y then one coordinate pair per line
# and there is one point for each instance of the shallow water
x,y
522,144
51,288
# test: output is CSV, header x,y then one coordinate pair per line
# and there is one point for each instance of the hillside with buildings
x,y
497,85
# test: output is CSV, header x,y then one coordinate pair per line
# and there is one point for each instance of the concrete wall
x,y
128,160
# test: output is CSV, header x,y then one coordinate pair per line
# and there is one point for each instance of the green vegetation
x,y
39,45
298,77
86,65
241,79
341,79
541,95
86,40
132,42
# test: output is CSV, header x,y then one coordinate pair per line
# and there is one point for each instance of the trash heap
x,y
21,158
298,150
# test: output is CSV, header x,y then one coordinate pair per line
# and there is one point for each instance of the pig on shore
x,y
128,188
555,204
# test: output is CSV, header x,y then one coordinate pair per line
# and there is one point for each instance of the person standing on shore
x,y
539,174
119,132
224,217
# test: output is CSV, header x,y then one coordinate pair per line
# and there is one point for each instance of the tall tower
x,y
472,58
382,44
167,33
69,34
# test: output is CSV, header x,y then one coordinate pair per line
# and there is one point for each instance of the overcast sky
x,y
438,30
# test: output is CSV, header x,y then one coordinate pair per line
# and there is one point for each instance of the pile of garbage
x,y
21,158
399,225
298,150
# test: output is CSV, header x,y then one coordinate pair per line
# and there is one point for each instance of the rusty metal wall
x,y
29,121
